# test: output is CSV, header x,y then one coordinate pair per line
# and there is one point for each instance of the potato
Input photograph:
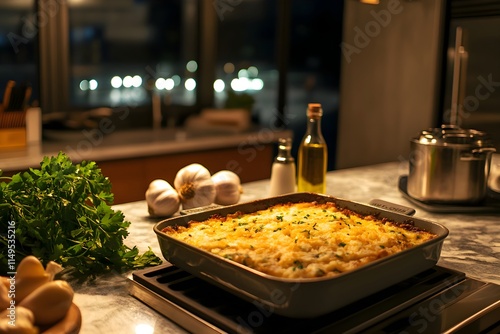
x,y
50,302
29,266
24,321
4,297
29,276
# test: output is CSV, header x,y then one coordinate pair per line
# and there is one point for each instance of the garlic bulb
x,y
162,199
227,186
195,186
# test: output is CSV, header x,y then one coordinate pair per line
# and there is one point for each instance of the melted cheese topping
x,y
300,240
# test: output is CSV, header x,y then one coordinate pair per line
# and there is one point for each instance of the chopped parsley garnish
x,y
260,228
297,265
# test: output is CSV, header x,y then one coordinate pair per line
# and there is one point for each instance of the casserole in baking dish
x,y
322,291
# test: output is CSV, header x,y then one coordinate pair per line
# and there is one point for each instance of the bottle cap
x,y
284,143
314,110
284,148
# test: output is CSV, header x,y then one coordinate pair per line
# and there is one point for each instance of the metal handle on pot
x,y
483,150
476,154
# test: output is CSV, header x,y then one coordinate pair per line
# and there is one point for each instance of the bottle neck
x,y
314,127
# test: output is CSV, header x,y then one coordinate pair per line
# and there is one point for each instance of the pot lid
x,y
454,135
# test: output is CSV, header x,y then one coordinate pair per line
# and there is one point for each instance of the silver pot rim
x,y
453,137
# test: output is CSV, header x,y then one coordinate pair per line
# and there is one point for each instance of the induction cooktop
x,y
438,300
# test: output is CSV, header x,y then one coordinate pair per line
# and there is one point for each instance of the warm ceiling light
x,y
371,2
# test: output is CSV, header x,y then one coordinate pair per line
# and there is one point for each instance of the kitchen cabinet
x,y
132,159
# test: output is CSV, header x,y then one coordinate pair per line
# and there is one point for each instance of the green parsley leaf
x,y
62,213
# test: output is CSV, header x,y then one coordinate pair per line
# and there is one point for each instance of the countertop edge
x,y
33,154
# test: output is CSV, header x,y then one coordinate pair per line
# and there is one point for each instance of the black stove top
x,y
438,300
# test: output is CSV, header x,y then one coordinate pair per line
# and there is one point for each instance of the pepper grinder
x,y
283,170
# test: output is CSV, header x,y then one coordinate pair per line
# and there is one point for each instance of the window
x,y
247,62
139,54
185,55
18,30
282,55
121,51
313,70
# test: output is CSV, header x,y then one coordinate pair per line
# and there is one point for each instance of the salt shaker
x,y
283,170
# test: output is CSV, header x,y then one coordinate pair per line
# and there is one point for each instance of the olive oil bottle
x,y
313,154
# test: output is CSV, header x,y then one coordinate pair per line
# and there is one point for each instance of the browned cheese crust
x,y
301,240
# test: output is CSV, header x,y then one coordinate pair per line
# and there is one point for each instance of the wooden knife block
x,y
12,138
12,129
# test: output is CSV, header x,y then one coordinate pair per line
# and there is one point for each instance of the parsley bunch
x,y
61,214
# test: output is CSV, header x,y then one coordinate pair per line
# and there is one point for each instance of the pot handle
x,y
483,150
398,208
476,153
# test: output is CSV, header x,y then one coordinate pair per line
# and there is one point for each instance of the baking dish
x,y
306,297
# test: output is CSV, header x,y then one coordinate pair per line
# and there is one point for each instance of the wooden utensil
x,y
7,93
19,98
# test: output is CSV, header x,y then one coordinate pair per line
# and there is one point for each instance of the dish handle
x,y
398,208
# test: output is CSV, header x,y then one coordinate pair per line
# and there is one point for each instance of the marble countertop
x,y
98,146
473,247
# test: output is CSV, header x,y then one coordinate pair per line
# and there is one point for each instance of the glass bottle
x,y
283,170
313,154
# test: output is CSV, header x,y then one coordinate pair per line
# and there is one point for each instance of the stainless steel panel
x,y
472,79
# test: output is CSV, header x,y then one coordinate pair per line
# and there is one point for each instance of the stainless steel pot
x,y
449,165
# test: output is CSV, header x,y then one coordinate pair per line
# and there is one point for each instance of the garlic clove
x,y
228,187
